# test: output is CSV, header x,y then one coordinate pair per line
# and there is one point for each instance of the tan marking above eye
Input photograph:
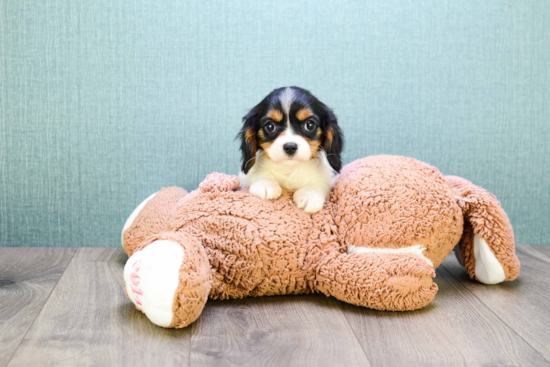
x,y
275,115
303,114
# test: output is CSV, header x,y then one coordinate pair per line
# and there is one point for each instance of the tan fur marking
x,y
303,114
266,145
263,145
314,144
250,138
275,115
328,140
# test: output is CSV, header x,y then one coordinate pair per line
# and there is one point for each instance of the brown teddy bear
x,y
387,224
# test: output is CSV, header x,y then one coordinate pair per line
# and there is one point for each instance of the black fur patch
x,y
266,130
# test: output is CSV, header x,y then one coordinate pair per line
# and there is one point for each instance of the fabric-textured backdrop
x,y
104,102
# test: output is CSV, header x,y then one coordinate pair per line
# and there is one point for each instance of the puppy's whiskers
x,y
251,159
328,155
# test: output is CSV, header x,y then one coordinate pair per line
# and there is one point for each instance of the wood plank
x,y
27,277
89,321
456,329
545,249
522,304
307,330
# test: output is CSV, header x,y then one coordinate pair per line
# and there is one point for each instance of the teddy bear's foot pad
x,y
151,278
487,268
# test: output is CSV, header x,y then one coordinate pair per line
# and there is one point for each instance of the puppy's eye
x,y
269,127
310,125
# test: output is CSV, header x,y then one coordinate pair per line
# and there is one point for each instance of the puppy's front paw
x,y
266,189
310,199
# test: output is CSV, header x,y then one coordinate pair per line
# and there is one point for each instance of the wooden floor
x,y
66,306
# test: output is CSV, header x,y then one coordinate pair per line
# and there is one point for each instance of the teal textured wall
x,y
104,102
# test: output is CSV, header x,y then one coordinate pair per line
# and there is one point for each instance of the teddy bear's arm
x,y
382,281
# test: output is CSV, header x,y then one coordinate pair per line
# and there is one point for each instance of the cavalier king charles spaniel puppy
x,y
291,140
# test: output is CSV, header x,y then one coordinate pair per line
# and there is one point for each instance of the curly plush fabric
x,y
386,281
194,277
394,202
397,217
143,226
219,181
485,217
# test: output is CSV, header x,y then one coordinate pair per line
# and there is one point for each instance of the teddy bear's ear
x,y
249,142
333,139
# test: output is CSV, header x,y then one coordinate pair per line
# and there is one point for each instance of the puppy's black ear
x,y
333,143
249,143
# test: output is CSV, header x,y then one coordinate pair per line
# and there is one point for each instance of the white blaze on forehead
x,y
276,151
286,99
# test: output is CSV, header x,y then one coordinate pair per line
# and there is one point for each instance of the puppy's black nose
x,y
290,148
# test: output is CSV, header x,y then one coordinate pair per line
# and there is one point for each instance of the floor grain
x,y
456,329
27,277
524,304
308,330
88,321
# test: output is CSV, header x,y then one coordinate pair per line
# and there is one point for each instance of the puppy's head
x,y
290,125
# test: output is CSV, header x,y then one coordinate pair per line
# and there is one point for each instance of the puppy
x,y
291,140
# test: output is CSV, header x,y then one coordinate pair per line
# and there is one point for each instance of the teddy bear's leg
x,y
150,217
486,248
398,281
168,279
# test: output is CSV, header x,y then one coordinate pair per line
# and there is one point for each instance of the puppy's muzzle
x,y
290,148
